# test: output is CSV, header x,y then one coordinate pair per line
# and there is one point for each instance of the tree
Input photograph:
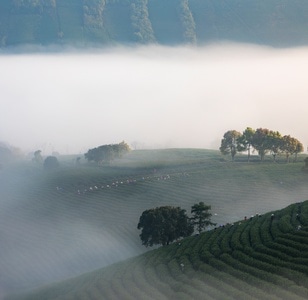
x,y
106,153
121,149
37,156
260,141
291,146
51,163
274,142
245,141
230,144
163,225
201,216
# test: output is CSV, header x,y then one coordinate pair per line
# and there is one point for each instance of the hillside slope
x,y
263,257
109,22
78,218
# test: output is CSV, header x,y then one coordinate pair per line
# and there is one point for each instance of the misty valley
x,y
70,209
153,149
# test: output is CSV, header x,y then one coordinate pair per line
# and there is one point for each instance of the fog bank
x,y
152,97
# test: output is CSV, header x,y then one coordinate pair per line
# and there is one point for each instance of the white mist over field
x,y
151,97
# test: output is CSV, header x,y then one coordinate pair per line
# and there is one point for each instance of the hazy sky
x,y
154,97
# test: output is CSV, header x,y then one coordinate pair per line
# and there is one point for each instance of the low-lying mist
x,y
48,235
152,96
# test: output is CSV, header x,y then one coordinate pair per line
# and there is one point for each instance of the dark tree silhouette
x,y
201,216
163,225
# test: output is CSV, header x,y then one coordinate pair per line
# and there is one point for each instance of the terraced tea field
x,y
263,257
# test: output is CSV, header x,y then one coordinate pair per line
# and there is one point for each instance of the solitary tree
x,y
163,225
201,216
37,156
230,143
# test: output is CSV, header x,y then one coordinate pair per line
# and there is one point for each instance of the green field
x,y
56,225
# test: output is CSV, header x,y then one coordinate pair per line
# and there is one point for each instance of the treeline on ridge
x,y
109,22
262,140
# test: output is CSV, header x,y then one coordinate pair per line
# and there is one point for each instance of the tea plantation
x,y
56,225
261,257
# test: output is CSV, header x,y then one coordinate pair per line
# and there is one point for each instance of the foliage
x,y
93,13
291,146
188,22
245,141
143,31
263,141
260,141
230,143
194,21
274,140
51,163
106,153
163,225
201,216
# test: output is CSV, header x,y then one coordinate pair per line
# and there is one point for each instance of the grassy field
x,y
79,218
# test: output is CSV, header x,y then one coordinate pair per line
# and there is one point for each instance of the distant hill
x,y
111,22
264,257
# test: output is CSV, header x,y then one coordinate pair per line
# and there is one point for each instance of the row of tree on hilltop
x,y
262,140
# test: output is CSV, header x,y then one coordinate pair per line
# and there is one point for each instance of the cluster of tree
x,y
107,153
163,225
49,163
263,141
169,22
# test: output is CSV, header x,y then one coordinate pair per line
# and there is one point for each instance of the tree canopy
x,y
263,141
201,216
106,153
37,157
230,143
163,225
